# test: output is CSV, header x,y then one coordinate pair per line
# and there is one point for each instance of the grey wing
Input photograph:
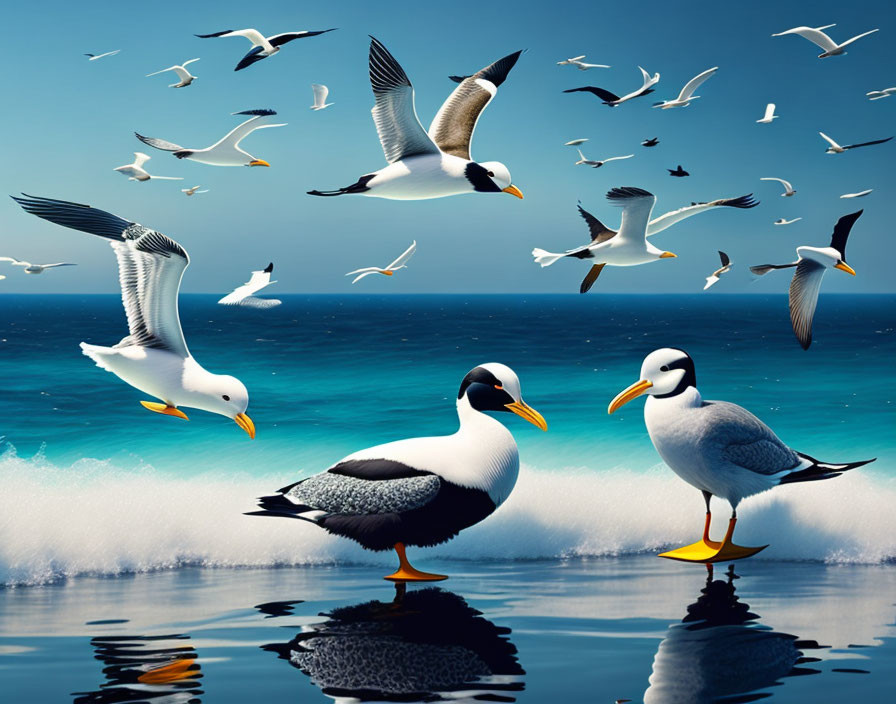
x,y
344,494
804,289
159,143
744,440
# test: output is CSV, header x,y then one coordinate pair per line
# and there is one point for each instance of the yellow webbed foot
x,y
709,551
406,572
164,409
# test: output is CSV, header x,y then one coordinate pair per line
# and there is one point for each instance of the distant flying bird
x,y
598,164
860,194
837,149
769,115
400,263
788,189
153,356
652,142
136,172
320,96
679,172
822,40
438,163
94,57
783,221
579,64
226,151
687,93
612,99
186,78
724,269
192,191
30,268
245,295
878,94
262,47
810,268
575,142
567,62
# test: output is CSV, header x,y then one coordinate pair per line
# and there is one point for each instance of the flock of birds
x,y
423,491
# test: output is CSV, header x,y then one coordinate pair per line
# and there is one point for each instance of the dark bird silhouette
x,y
679,172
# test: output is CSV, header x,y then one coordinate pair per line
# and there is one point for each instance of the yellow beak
x,y
843,266
524,410
258,162
668,255
632,392
245,422
513,190
387,273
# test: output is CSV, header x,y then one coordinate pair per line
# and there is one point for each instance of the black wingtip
x,y
624,192
213,34
260,111
497,72
269,268
458,79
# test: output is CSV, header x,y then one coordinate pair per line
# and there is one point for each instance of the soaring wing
x,y
604,95
841,232
695,83
857,37
804,289
784,183
281,39
637,205
405,256
724,257
320,93
453,126
829,141
399,129
150,268
668,219
596,229
159,143
253,35
769,111
53,266
816,36
866,144
257,281
244,129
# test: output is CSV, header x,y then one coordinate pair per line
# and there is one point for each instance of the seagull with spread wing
x,y
245,295
687,93
153,356
94,57
769,115
400,263
822,40
713,278
186,78
320,96
598,163
611,99
788,189
838,149
30,268
136,172
579,64
262,46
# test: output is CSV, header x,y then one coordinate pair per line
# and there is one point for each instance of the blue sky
x,y
68,122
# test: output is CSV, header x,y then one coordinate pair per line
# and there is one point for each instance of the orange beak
x,y
514,191
258,162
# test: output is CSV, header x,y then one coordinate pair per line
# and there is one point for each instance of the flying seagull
x,y
878,94
226,151
788,189
30,268
652,142
245,295
262,47
94,57
784,221
810,268
153,356
438,163
579,64
724,269
419,491
717,447
822,40
320,96
612,99
769,115
678,172
598,164
192,190
860,194
136,172
687,93
837,149
575,142
186,78
399,263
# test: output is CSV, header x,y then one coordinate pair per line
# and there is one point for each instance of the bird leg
x,y
406,572
164,409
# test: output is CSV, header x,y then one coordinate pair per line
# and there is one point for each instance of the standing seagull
x,y
245,295
153,357
717,447
136,172
94,57
400,263
769,115
186,78
810,268
878,94
687,93
224,152
30,268
262,47
436,164
598,164
612,99
419,491
788,189
193,190
678,172
822,40
837,149
320,96
724,269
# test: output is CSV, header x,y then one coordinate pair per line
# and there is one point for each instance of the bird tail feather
x,y
279,505
360,186
821,470
544,257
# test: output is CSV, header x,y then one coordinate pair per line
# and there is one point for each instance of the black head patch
x,y
484,391
481,178
690,374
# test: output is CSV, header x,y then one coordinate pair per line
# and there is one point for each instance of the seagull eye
x,y
226,397
664,368
491,174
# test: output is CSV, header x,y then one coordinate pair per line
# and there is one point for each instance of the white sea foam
x,y
95,518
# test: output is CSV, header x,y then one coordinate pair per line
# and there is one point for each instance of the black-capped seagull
x,y
94,57
713,278
612,99
810,266
226,151
262,47
419,491
579,64
135,171
769,115
153,356
687,93
29,268
245,295
838,149
598,163
788,189
822,40
400,263
717,447
186,78
436,164
320,96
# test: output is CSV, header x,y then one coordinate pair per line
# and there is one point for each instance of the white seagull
x,y
153,356
30,268
717,447
438,163
810,266
599,233
94,57
687,93
788,189
245,295
226,151
769,115
419,491
262,47
860,194
724,269
784,221
186,78
575,142
193,190
598,164
320,96
400,263
612,99
822,40
837,149
579,64
878,94
136,172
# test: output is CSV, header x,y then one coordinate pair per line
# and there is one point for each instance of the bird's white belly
x,y
623,255
420,178
218,158
155,372
676,441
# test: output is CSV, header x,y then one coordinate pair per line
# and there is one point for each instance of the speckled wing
x,y
744,440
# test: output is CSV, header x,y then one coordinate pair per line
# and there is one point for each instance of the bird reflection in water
x,y
718,653
426,645
158,669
